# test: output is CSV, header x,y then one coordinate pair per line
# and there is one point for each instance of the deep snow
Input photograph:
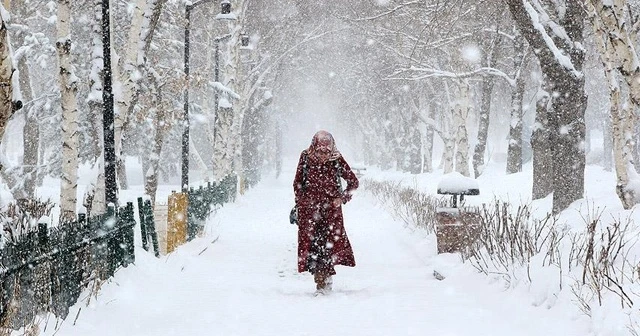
x,y
240,278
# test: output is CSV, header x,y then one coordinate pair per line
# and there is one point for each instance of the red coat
x,y
315,207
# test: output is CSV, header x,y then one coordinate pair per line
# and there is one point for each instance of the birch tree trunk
x,y
228,112
144,24
233,72
151,176
447,134
607,143
94,199
128,77
461,113
618,52
68,89
514,152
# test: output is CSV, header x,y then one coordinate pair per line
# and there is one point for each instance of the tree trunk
x,y
151,176
278,157
622,121
607,143
229,127
6,73
95,198
461,138
541,145
147,17
618,53
514,152
567,137
490,58
129,77
566,80
447,155
427,143
68,89
30,132
483,125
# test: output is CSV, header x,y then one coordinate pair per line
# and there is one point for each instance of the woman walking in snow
x,y
322,239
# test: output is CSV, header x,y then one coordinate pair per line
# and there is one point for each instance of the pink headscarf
x,y
323,139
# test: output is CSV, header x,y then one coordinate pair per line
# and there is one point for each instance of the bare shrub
x,y
604,257
510,236
412,207
22,216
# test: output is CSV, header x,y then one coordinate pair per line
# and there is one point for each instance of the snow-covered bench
x,y
456,184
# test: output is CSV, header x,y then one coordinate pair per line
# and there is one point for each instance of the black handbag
x,y
293,215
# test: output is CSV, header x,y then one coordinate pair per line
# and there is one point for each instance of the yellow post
x,y
241,182
177,220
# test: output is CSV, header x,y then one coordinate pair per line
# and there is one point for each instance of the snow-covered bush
x,y
597,266
22,216
409,205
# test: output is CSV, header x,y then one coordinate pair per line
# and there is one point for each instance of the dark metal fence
x,y
46,270
201,200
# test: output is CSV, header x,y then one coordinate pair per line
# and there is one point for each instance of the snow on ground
x,y
241,279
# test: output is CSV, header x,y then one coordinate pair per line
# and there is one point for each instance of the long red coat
x,y
314,198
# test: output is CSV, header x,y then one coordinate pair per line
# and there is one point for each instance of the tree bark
x,y
129,77
427,142
30,132
618,53
566,80
68,89
484,114
461,137
95,198
138,45
229,124
607,143
541,145
514,152
6,74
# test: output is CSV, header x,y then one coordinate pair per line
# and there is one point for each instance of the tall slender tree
x,y
68,90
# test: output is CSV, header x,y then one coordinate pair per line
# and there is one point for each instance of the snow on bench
x,y
458,184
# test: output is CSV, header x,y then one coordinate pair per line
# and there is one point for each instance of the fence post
x,y
177,220
143,225
127,228
148,211
43,235
108,226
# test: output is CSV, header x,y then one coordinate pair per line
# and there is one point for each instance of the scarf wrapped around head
x,y
323,139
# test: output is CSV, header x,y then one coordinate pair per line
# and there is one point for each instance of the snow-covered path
x,y
241,279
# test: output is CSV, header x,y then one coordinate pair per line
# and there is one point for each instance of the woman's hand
x,y
346,197
336,202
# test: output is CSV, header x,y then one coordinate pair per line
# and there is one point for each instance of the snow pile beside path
x,y
556,275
